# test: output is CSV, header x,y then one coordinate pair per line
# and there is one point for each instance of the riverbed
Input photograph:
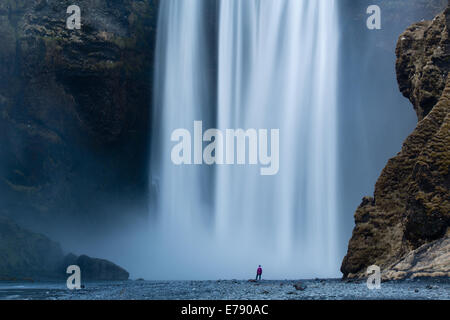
x,y
329,289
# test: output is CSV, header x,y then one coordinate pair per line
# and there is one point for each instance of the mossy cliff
x,y
403,228
74,107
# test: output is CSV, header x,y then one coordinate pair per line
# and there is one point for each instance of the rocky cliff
x,y
74,107
403,228
28,255
24,254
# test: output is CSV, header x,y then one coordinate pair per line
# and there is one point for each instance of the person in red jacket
x,y
258,273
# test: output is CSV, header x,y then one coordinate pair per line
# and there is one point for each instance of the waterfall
x,y
274,67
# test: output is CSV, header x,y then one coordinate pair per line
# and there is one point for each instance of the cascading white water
x,y
276,69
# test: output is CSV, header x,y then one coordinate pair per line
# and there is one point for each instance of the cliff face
x,y
74,105
25,254
28,255
423,63
404,227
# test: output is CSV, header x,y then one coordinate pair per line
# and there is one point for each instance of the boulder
x,y
93,269
299,286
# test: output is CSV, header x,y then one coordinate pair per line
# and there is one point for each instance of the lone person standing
x,y
258,273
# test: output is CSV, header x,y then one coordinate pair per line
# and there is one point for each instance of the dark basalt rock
x,y
410,208
93,269
74,107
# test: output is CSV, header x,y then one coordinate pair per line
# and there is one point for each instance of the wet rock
x,y
299,286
